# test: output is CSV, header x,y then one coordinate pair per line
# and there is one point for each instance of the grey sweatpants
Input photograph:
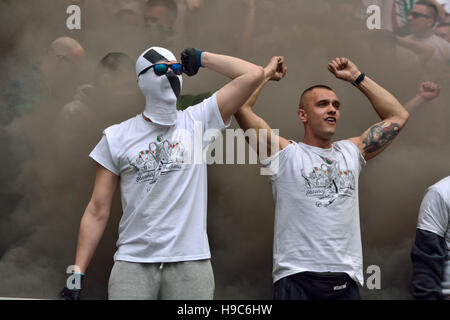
x,y
187,280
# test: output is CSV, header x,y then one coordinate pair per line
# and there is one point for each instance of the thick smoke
x,y
47,178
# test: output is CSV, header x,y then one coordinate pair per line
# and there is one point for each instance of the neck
x,y
424,34
324,143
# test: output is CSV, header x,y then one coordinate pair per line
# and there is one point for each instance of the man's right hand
x,y
276,70
72,290
70,294
191,59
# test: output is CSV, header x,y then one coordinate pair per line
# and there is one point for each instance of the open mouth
x,y
331,120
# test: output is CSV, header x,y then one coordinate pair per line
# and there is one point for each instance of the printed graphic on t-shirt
x,y
327,182
162,157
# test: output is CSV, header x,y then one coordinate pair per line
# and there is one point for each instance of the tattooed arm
x,y
393,115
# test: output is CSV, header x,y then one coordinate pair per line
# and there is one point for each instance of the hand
x,y
70,294
344,69
192,60
429,90
72,290
276,69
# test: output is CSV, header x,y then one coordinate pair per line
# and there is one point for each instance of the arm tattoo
x,y
378,135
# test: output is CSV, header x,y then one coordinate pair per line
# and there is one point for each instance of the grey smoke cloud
x,y
47,178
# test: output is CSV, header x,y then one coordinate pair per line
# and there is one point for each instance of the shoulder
x,y
283,154
346,145
442,188
121,129
438,41
350,149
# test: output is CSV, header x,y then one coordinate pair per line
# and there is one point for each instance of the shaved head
x,y
68,47
305,97
64,57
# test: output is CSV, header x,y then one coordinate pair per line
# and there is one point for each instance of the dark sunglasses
x,y
416,15
161,69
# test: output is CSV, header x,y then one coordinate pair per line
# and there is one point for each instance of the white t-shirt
x,y
317,210
434,216
441,55
164,193
445,4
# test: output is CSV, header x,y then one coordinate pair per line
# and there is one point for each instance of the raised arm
x,y
393,115
245,77
423,51
427,91
247,119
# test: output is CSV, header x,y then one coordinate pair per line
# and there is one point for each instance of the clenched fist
x,y
344,69
276,69
191,59
429,90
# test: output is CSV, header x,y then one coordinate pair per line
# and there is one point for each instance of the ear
x,y
302,115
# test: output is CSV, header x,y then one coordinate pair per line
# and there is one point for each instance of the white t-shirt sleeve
x,y
357,153
445,4
208,113
433,213
103,156
273,162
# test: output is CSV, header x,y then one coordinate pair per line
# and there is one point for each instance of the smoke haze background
x,y
47,177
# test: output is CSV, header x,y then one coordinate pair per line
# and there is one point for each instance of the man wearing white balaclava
x,y
161,92
162,250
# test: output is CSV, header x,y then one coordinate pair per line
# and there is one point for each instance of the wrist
x,y
355,76
204,57
421,99
268,73
359,78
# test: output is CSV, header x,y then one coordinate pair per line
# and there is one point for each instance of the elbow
x,y
403,117
258,74
98,210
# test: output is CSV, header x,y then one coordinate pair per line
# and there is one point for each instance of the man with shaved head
x,y
317,252
52,78
62,61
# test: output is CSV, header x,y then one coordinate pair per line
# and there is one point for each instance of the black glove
x,y
72,294
192,60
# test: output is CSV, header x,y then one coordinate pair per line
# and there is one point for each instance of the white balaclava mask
x,y
161,92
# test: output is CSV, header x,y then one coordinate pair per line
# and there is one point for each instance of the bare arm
x,y
95,216
393,115
245,79
247,119
427,92
422,50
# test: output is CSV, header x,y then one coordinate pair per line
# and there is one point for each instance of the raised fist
x,y
429,90
344,69
191,59
276,68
